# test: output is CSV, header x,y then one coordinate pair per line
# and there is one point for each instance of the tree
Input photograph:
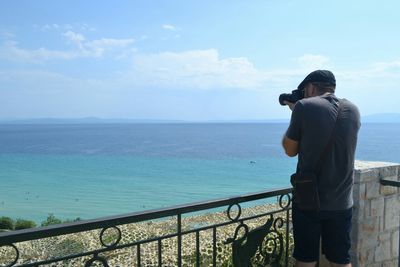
x,y
51,220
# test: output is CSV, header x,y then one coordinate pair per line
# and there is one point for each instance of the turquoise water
x,y
91,171
73,186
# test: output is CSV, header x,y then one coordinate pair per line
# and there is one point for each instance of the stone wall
x,y
376,216
375,236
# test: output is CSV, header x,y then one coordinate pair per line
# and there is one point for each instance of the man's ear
x,y
314,90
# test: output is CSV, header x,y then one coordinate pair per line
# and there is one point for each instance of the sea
x,y
97,170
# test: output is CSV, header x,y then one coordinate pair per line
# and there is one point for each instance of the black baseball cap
x,y
320,76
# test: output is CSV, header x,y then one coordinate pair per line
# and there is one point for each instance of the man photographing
x,y
323,133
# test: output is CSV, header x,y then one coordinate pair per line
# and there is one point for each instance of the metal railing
x,y
252,229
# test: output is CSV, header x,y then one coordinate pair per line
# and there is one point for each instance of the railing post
x,y
179,229
287,239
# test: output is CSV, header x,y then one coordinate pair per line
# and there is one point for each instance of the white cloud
x,y
107,42
64,27
191,71
379,73
74,37
195,69
205,69
170,27
96,48
10,50
86,27
47,27
201,69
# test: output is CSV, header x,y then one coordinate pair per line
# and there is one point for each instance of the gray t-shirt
x,y
312,122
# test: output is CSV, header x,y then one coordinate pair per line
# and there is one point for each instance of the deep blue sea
x,y
96,170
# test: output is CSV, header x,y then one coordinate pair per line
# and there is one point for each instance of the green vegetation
x,y
7,223
51,220
24,224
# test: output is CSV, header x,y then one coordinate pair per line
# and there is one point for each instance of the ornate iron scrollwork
x,y
112,243
97,258
229,211
285,204
245,248
272,248
262,246
117,238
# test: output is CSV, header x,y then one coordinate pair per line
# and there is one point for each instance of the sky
x,y
192,60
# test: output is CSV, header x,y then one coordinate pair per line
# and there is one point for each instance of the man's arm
x,y
291,147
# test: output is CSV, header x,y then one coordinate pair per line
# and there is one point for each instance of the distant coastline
x,y
382,118
373,118
127,121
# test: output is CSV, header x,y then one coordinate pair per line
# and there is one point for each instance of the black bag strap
x,y
330,142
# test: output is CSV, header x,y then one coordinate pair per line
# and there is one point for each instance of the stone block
x,y
369,175
368,242
372,170
365,257
356,176
395,243
383,252
373,190
389,190
392,208
358,211
390,263
356,193
359,196
389,171
355,237
377,207
381,224
367,209
384,236
368,231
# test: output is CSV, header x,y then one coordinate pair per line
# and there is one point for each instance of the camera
x,y
295,96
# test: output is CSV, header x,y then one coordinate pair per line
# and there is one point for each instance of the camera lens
x,y
284,97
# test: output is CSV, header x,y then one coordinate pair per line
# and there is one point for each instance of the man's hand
x,y
290,104
291,146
